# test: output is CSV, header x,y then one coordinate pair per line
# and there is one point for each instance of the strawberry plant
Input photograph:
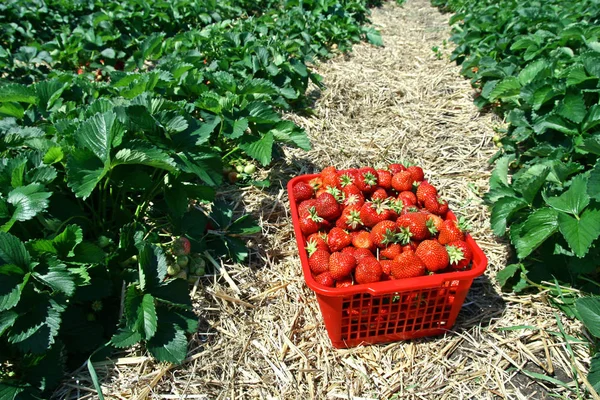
x,y
117,124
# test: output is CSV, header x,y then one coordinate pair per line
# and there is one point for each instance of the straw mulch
x,y
261,332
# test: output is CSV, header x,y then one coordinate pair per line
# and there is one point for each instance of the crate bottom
x,y
344,344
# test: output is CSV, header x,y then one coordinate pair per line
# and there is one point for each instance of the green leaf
x,y
593,186
37,325
152,266
174,292
98,132
261,149
53,155
7,318
244,225
262,113
530,234
580,233
146,321
169,343
11,286
529,182
594,372
373,36
508,87
56,277
502,210
12,110
88,253
65,242
576,75
507,273
27,201
532,71
9,392
206,129
143,153
17,93
588,309
177,199
575,199
499,176
13,251
204,164
592,118
555,122
151,43
573,107
125,338
84,172
239,127
289,133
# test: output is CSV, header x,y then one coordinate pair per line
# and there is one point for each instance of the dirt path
x,y
261,331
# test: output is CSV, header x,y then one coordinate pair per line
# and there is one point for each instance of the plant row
x,y
538,65
113,147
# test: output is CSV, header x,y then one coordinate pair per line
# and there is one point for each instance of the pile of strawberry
x,y
366,225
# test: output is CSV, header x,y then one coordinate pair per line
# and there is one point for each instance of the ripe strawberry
x,y
384,179
410,246
316,241
424,190
408,198
386,267
408,265
413,226
353,196
302,191
316,183
409,210
347,177
327,207
350,218
437,223
374,212
416,172
349,250
391,251
436,205
306,205
338,238
384,233
402,181
460,254
361,253
395,168
366,179
363,240
368,270
310,222
450,231
434,255
329,176
379,194
319,261
341,265
344,282
325,279
181,246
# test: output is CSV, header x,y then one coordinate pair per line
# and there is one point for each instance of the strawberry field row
x,y
117,123
538,65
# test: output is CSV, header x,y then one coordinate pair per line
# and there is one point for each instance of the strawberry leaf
x,y
574,200
15,92
502,210
125,338
580,233
573,107
260,149
152,266
84,172
169,343
57,277
588,309
529,235
529,182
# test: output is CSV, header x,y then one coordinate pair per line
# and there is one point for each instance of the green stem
x,y
158,177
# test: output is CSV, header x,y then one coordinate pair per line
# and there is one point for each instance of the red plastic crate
x,y
392,310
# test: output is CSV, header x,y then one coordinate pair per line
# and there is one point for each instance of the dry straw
x,y
261,333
